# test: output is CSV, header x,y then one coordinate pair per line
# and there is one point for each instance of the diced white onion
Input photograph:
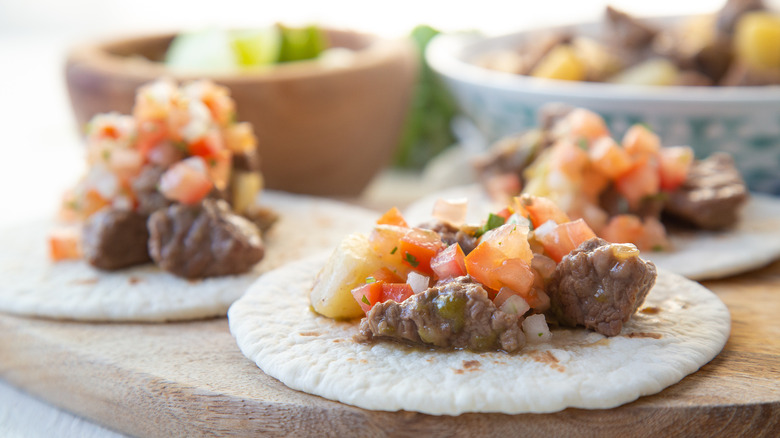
x,y
545,228
544,265
452,211
536,330
515,305
418,282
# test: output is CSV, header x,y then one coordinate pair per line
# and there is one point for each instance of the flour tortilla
x,y
698,255
274,326
32,285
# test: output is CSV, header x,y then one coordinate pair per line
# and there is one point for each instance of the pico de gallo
x,y
619,187
180,146
439,275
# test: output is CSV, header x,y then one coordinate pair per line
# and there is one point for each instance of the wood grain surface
x,y
190,379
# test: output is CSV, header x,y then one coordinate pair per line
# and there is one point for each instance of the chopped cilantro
x,y
106,154
540,334
660,196
493,221
412,260
658,248
394,250
212,162
583,143
365,300
181,145
370,280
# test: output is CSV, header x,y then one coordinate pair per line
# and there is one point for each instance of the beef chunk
x,y
203,240
450,234
627,32
457,314
599,286
711,196
115,239
145,187
741,75
614,203
733,10
246,162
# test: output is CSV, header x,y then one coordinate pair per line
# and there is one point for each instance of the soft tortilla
x,y
34,286
698,255
274,326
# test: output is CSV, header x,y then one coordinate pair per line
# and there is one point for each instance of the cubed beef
x,y
628,32
457,314
711,196
203,240
246,162
145,187
450,234
733,10
115,239
599,286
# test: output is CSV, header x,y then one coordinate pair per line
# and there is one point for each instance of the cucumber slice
x,y
207,51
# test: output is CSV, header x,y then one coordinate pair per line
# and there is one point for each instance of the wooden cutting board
x,y
190,379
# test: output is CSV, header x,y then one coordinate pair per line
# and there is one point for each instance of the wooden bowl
x,y
322,130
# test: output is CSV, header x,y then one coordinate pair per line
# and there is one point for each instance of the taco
x,y
165,223
73,289
627,190
455,319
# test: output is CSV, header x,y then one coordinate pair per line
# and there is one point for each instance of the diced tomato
x,y
110,131
91,203
569,158
208,145
481,263
653,236
541,210
640,142
511,240
501,186
392,217
673,165
367,295
240,138
418,247
220,166
387,276
505,213
515,274
559,240
586,124
397,292
593,184
609,158
640,181
623,228
150,133
449,263
186,181
64,245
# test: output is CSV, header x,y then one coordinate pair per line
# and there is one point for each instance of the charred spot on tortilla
x,y
471,364
650,310
643,335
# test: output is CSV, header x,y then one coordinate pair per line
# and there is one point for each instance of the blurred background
x,y
36,34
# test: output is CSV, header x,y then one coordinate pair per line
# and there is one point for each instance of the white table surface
x,y
40,148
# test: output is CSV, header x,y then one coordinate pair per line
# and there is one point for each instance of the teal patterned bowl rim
x,y
452,55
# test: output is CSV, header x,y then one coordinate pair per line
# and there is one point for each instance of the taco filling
x,y
488,287
623,189
174,183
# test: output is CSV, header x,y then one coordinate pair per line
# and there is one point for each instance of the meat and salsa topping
x,y
737,46
165,165
620,188
482,287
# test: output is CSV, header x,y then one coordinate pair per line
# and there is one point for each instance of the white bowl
x,y
744,121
